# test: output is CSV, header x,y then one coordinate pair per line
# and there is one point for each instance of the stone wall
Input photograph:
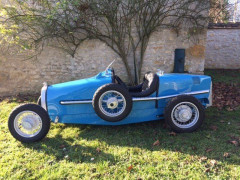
x,y
55,66
223,47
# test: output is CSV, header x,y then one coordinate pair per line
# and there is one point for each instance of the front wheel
x,y
184,114
29,123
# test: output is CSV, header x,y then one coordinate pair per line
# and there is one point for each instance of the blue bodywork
x,y
144,109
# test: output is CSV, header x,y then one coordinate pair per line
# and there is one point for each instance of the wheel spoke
x,y
116,100
185,114
120,100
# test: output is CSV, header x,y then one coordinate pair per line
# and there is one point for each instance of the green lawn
x,y
126,152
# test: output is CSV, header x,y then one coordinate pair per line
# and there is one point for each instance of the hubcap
x,y
27,124
112,103
185,115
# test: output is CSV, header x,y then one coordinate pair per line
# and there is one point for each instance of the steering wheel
x,y
119,81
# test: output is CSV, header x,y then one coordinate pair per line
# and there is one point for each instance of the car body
x,y
71,102
105,99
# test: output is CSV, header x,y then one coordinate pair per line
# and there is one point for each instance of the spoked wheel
x,y
112,102
184,114
29,123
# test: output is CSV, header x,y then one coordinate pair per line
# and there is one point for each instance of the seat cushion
x,y
147,81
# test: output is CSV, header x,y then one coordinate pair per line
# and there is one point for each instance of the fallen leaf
x,y
98,150
172,133
194,148
178,150
213,162
234,142
214,128
156,143
130,168
207,170
234,137
226,155
226,95
229,109
209,150
203,158
62,146
208,136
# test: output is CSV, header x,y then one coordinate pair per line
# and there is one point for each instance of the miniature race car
x,y
105,99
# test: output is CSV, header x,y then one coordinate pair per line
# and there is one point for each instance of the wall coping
x,y
229,25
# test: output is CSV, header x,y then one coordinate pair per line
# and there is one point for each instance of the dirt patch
x,y
226,95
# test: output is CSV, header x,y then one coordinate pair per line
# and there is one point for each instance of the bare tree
x,y
124,25
219,11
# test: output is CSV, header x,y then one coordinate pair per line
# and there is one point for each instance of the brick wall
x,y
55,66
223,46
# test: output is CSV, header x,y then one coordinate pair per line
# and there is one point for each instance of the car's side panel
x,y
71,91
141,111
174,84
81,90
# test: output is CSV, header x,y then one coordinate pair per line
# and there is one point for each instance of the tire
x,y
184,114
123,102
39,101
41,118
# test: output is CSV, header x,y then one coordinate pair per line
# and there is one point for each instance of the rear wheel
x,y
29,123
112,102
184,114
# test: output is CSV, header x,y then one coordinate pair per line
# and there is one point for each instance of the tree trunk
x,y
144,45
136,69
128,70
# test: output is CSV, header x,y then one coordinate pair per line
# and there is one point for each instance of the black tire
x,y
40,112
179,127
39,101
119,89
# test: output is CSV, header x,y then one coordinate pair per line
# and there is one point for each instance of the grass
x,y
125,152
226,76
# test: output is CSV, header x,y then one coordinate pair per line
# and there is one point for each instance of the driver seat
x,y
149,86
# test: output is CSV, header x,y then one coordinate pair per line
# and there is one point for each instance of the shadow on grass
x,y
63,149
204,142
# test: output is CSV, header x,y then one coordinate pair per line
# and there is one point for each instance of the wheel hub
x,y
29,123
112,103
184,113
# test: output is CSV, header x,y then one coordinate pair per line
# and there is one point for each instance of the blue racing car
x,y
105,99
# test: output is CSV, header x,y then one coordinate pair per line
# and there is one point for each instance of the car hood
x,y
76,90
